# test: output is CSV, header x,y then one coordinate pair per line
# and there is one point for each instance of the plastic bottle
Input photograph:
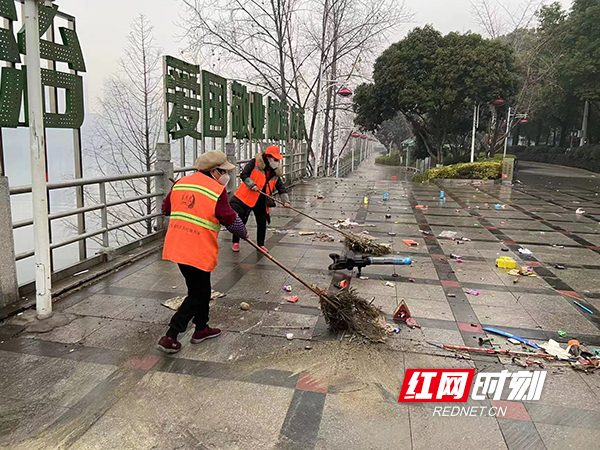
x,y
385,196
366,200
441,194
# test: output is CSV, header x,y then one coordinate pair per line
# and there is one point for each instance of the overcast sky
x,y
103,26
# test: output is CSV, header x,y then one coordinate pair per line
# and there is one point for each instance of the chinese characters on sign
x,y
191,94
13,81
182,91
433,385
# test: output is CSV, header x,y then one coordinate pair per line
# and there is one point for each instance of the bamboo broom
x,y
344,311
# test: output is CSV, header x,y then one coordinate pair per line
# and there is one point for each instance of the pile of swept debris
x,y
576,355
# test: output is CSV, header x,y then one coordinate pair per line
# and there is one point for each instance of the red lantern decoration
x,y
524,121
344,92
355,134
499,102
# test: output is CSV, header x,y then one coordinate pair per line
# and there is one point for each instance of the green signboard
x,y
14,81
191,94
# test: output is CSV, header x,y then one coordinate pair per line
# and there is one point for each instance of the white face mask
x,y
224,179
274,164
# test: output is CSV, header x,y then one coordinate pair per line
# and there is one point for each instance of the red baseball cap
x,y
273,151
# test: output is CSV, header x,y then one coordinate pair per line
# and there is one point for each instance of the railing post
x,y
9,287
39,191
163,182
104,214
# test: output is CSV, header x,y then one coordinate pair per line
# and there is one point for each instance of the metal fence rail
x,y
107,219
103,206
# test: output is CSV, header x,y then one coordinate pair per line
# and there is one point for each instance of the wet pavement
x,y
92,379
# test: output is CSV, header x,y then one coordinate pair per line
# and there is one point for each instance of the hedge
x,y
586,157
480,170
392,160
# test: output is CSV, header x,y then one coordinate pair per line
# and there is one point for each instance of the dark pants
x,y
195,306
260,213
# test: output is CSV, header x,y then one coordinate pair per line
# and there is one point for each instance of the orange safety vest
x,y
250,197
193,227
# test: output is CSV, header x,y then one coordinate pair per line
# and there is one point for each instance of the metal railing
x,y
102,232
103,206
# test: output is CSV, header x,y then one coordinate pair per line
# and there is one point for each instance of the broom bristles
x,y
365,244
346,311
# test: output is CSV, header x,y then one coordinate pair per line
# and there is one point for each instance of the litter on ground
x,y
447,234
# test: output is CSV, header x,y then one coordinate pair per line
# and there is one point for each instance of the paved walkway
x,y
95,381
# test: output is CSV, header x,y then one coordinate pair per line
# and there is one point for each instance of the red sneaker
x,y
235,247
168,345
202,335
264,249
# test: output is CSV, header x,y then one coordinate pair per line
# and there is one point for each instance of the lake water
x,y
60,168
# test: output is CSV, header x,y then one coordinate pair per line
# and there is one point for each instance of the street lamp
x,y
344,92
475,125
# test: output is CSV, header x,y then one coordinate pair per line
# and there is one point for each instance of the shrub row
x,y
480,170
392,160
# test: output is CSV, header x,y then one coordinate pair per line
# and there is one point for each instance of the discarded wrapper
x,y
411,322
292,299
473,292
447,234
392,328
553,348
342,284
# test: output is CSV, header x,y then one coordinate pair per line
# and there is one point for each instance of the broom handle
x,y
308,286
306,215
253,244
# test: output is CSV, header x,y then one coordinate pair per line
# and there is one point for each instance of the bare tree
x,y
292,49
497,19
519,28
129,122
352,32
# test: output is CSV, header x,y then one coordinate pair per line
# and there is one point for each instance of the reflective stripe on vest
x,y
193,229
195,188
195,220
